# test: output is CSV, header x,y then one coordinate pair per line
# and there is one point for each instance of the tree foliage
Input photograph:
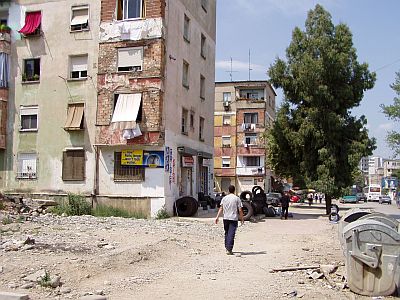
x,y
315,139
393,113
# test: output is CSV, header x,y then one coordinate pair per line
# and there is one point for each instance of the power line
x,y
388,65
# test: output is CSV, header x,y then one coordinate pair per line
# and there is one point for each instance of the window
x,y
130,59
250,118
203,46
185,75
29,118
26,166
201,129
74,116
252,161
33,20
192,120
226,141
252,94
226,120
204,5
31,69
184,120
227,97
80,18
127,172
129,9
202,87
250,138
226,161
73,165
186,28
78,66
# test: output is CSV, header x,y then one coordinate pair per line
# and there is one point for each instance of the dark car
x,y
273,199
361,197
385,199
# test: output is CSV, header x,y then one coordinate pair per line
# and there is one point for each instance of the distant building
x,y
364,165
389,165
244,110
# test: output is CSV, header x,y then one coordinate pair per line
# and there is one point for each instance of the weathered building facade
x,y
111,99
155,93
243,112
49,131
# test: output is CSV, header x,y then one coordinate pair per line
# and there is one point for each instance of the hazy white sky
x,y
265,27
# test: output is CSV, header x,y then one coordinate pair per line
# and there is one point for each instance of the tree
x,y
392,112
315,139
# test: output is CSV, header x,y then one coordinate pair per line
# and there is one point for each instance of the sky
x,y
264,27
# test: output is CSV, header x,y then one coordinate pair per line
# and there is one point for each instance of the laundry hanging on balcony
x,y
4,70
32,22
126,111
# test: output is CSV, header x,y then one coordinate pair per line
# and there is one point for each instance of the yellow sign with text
x,y
132,157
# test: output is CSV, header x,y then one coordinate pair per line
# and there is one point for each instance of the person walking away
x,y
285,200
231,207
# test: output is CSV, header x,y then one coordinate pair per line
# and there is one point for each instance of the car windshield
x,y
276,195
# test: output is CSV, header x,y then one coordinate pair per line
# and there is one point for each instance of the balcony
x,y
252,171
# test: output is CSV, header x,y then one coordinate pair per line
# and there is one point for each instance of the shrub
x,y
45,281
6,220
78,206
162,213
1,205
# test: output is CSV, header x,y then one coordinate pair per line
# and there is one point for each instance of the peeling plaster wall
x,y
52,95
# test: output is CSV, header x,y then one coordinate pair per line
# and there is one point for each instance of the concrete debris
x,y
13,296
316,275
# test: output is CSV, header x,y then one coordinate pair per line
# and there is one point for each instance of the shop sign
x,y
207,162
187,161
153,159
132,157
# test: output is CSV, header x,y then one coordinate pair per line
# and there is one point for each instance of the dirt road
x,y
171,259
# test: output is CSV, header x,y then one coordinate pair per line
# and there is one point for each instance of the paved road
x,y
390,210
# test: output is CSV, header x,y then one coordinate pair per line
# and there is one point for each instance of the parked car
x,y
348,199
361,197
385,199
273,199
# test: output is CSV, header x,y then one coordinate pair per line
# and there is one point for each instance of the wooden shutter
x,y
73,165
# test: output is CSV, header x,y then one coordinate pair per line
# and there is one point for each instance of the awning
x,y
126,111
74,116
32,22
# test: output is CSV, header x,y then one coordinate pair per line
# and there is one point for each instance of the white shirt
x,y
231,204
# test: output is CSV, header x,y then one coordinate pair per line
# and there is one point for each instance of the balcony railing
x,y
250,170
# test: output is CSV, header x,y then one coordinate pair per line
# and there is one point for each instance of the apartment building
x,y
49,103
244,110
111,99
154,123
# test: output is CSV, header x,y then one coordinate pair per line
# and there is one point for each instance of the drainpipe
x,y
96,175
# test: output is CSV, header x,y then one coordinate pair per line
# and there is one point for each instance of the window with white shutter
x,y
80,18
130,59
79,66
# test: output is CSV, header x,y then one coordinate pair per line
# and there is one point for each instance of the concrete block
x,y
92,297
13,296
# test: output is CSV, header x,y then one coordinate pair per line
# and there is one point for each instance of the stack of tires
x,y
186,206
255,202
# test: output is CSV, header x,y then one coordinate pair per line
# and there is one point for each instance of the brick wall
x,y
153,9
153,57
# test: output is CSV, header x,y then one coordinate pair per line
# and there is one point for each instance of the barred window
x,y
127,172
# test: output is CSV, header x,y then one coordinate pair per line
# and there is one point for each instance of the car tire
x,y
244,194
334,217
257,189
247,210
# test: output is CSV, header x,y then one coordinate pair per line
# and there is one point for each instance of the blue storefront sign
x,y
153,159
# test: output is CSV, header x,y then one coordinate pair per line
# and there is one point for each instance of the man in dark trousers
x,y
231,207
285,200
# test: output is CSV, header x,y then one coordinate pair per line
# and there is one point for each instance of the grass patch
x,y
6,220
109,211
1,205
45,281
77,206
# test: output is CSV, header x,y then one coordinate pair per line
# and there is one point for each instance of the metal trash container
x,y
385,219
350,216
372,251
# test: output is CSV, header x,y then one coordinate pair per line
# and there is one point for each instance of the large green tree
x,y
393,113
315,139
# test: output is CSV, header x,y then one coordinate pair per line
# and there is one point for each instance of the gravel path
x,y
170,259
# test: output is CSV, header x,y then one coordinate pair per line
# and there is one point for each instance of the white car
x,y
385,199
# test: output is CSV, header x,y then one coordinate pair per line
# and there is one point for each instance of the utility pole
x,y
231,71
250,69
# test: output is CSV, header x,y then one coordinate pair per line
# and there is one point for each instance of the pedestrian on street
x,y
285,200
231,207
